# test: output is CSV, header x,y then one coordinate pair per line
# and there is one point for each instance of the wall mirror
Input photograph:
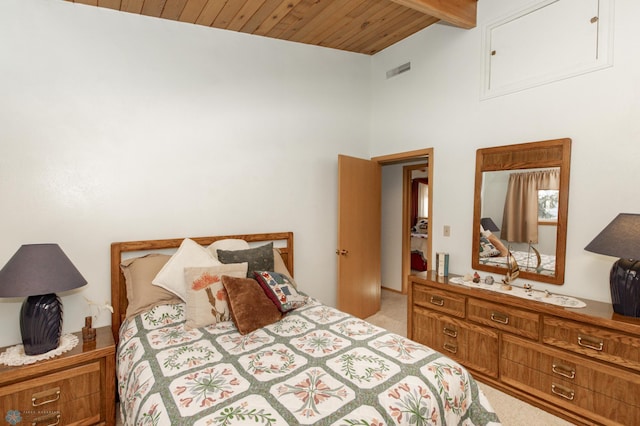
x,y
520,209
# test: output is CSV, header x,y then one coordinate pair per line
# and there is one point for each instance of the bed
x,y
312,364
493,252
419,242
527,261
419,251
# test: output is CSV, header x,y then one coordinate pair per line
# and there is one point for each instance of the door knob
x,y
342,252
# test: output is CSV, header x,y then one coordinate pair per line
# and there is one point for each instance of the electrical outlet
x,y
446,231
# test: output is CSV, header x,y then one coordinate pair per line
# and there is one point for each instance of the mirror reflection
x,y
519,213
520,209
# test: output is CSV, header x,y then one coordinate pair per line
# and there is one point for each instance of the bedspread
x,y
317,365
526,262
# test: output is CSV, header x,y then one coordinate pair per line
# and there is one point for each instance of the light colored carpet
x,y
511,411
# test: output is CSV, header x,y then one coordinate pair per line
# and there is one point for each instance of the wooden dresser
x,y
580,364
75,388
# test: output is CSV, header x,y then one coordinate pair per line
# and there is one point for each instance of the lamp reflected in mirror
x,y
489,225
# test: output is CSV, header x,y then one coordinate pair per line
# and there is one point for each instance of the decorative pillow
x,y
141,294
280,267
259,258
487,249
227,244
280,290
422,226
250,307
171,276
206,297
498,244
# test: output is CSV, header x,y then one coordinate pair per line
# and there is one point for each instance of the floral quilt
x,y
316,366
526,262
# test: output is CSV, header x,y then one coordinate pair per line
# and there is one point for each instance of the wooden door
x,y
359,221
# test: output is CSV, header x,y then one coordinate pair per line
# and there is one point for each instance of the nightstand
x,y
77,387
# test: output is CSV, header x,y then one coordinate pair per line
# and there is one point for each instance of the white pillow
x,y
230,244
189,254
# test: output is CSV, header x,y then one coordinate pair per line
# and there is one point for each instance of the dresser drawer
x,y
474,346
513,320
73,393
605,394
449,303
614,347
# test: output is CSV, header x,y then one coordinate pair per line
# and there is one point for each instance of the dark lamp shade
x,y
488,224
621,238
39,269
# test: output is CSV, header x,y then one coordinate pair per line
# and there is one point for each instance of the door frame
x,y
406,157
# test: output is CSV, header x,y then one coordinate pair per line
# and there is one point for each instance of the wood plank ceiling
x,y
363,26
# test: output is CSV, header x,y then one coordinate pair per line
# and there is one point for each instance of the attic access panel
x,y
549,41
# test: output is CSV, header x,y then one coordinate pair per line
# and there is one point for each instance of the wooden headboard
x,y
282,240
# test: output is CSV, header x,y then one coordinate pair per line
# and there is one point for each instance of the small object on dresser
x,y
442,264
476,277
88,332
488,280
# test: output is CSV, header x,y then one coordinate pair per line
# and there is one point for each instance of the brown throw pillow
x,y
141,294
250,307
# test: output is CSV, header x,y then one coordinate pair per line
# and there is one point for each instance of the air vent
x,y
399,70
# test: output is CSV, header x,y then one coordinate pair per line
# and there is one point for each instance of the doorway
x,y
397,242
359,226
416,181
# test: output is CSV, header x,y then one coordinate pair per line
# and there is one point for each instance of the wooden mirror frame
x,y
532,155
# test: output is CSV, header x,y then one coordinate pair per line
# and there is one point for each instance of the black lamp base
x,y
625,287
41,323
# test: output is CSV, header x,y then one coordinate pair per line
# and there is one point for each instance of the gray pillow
x,y
259,258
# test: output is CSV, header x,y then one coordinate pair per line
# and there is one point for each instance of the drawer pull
x,y
44,420
564,371
499,318
450,332
438,301
45,397
450,348
563,392
591,343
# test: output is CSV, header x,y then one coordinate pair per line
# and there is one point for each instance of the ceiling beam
x,y
461,13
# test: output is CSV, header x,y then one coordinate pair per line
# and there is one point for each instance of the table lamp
x,y
39,271
488,224
621,238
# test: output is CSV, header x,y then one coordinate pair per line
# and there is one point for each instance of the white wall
x,y
437,105
115,126
391,253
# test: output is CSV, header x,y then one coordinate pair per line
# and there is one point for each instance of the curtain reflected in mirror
x,y
520,222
